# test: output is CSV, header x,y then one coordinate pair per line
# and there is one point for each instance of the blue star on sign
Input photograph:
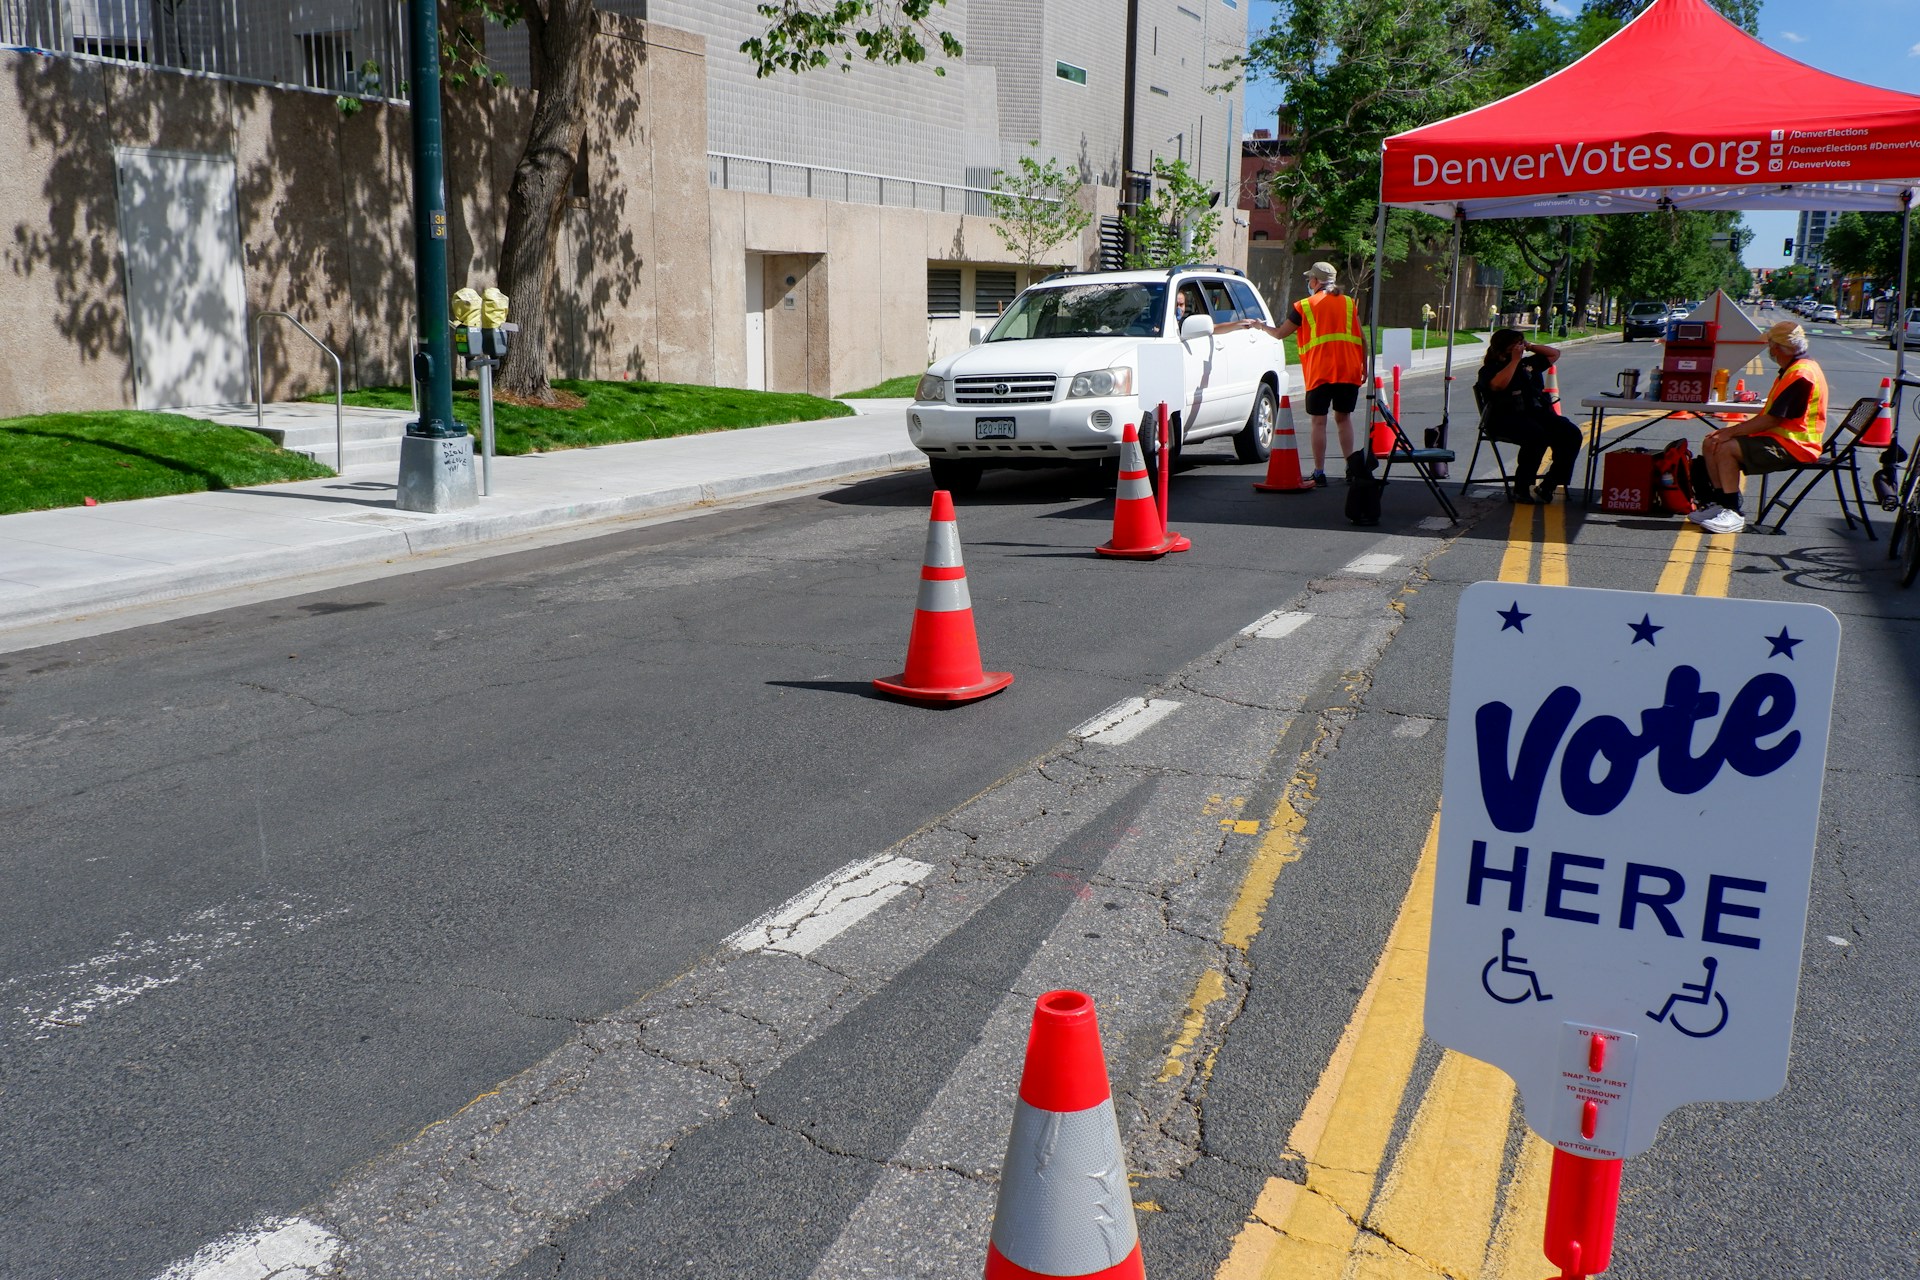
x,y
1644,629
1513,618
1782,643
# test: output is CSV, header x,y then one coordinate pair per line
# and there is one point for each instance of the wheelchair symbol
x,y
1703,994
1515,966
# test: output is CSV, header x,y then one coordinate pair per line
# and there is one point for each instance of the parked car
x,y
1644,320
1056,380
1912,342
1827,311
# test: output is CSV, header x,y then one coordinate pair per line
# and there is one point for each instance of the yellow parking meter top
x,y
466,308
493,309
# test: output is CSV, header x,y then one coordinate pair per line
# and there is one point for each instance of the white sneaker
x,y
1723,521
1700,515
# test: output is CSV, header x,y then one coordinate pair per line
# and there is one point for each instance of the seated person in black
x,y
1512,388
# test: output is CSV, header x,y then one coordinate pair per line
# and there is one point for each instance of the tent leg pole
x,y
1900,363
1373,337
1453,310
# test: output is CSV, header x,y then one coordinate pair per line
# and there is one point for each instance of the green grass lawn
x,y
892,389
62,459
615,412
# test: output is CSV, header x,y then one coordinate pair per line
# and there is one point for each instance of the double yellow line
x,y
1464,1193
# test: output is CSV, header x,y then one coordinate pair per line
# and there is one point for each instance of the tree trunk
x,y
560,39
1583,291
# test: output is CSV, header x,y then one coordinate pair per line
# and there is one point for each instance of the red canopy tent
x,y
1731,125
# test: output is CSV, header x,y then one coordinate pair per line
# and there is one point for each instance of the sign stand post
x,y
1166,449
1583,1197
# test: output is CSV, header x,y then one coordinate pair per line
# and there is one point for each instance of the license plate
x,y
993,428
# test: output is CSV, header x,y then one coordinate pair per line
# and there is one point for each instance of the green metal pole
x,y
433,357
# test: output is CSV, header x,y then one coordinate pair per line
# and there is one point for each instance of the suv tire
x,y
1255,440
957,478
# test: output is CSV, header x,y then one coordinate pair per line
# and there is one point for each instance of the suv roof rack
x,y
1222,267
1064,271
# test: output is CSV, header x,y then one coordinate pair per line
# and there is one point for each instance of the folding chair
x,y
1837,454
1493,446
1421,460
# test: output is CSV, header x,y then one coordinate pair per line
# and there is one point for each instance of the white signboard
x,y
1396,352
1163,377
1626,836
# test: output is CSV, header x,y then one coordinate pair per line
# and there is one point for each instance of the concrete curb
x,y
376,545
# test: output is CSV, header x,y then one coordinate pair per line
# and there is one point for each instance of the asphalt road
x,y
293,885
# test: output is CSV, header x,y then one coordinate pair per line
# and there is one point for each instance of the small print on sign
x,y
1626,837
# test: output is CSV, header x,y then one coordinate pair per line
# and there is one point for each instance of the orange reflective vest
x,y
1331,346
1803,435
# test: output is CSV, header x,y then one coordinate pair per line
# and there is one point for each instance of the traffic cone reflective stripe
x,y
1137,531
943,653
1064,1208
1880,434
1283,461
1553,386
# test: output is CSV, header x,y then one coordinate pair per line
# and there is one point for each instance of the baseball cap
x,y
1786,333
1322,271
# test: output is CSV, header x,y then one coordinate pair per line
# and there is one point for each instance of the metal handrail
x,y
339,385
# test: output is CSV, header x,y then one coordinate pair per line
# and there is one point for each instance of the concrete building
x,y
1812,235
177,171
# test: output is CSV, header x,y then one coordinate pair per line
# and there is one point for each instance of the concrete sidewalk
x,y
59,565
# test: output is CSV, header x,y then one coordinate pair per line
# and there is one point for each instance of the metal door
x,y
756,322
186,290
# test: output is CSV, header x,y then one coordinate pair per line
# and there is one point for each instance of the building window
x,y
992,291
1231,4
1067,71
1154,88
329,61
943,293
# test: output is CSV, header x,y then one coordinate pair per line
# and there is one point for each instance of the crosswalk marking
x,y
830,906
1126,720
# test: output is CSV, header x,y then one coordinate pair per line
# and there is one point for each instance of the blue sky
x,y
1874,41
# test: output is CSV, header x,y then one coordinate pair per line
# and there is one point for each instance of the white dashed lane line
x,y
1377,562
1125,720
830,906
277,1249
1277,624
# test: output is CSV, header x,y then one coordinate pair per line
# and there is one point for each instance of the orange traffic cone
x,y
943,654
1283,463
1379,434
1137,531
1064,1208
1880,434
1553,386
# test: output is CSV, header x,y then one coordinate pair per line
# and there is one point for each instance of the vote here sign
x,y
1626,837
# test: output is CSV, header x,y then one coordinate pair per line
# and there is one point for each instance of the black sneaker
x,y
1319,479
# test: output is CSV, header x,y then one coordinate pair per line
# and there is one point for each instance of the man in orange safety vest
x,y
1788,433
1333,358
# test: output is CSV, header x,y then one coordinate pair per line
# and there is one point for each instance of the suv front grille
x,y
1008,388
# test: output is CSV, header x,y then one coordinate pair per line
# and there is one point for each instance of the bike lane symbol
x,y
1515,966
1703,994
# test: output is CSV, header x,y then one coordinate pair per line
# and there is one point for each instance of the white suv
x,y
1912,342
1056,379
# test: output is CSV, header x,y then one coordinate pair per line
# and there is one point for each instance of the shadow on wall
x,y
75,248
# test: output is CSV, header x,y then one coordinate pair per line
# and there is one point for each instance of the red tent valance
x,y
1681,109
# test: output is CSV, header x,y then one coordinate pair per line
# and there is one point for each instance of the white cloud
x,y
1793,37
1914,52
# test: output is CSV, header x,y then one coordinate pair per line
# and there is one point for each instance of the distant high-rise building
x,y
1814,225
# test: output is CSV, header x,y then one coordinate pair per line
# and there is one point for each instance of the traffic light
x,y
1788,247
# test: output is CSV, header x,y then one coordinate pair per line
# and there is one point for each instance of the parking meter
x,y
482,334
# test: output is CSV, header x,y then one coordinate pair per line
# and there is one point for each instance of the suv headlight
x,y
930,388
1101,382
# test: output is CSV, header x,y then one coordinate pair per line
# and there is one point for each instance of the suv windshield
x,y
1646,309
1134,307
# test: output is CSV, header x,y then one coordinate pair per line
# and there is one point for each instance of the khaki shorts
x,y
1763,452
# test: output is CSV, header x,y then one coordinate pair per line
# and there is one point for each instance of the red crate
x,y
1626,484
1685,388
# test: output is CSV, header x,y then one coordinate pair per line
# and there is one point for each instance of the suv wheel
x,y
957,478
1255,440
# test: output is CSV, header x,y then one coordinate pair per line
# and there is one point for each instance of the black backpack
x,y
1363,488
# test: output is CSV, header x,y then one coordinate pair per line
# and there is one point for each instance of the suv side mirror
x,y
976,336
1196,327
